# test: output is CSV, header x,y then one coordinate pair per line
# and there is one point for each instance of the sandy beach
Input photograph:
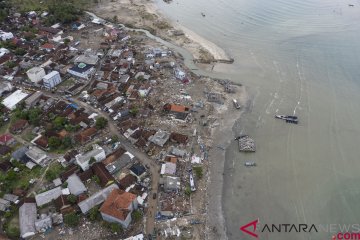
x,y
145,14
223,136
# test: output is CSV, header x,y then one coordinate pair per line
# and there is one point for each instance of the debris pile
x,y
246,144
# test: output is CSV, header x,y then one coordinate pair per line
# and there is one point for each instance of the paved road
x,y
143,158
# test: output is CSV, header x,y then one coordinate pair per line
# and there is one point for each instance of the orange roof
x,y
177,108
117,204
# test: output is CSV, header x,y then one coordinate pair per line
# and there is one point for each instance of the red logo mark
x,y
253,224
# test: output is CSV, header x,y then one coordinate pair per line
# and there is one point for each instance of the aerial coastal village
x,y
104,132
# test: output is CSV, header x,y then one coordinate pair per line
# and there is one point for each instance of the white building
x,y
35,74
3,51
52,79
6,35
11,101
83,159
27,217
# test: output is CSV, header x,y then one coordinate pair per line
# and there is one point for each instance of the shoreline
x,y
146,15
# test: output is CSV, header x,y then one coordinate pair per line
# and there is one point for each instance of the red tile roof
x,y
117,204
5,138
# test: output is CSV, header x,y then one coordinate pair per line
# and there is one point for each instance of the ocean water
x,y
297,57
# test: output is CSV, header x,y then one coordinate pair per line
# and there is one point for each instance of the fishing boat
x,y
288,118
236,104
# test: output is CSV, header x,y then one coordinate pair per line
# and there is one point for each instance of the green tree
x,y
134,111
136,215
13,232
20,51
66,41
94,214
59,122
72,219
187,190
67,142
92,160
116,228
54,142
198,171
72,198
96,179
101,122
34,116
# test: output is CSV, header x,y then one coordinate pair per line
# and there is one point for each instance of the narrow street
x,y
142,157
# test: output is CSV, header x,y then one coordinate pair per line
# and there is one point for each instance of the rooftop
x,y
117,204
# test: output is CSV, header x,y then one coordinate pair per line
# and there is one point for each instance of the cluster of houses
x,y
118,79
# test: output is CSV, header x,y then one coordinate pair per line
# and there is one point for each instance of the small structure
x,y
11,198
19,126
36,74
246,144
43,223
51,80
118,207
97,153
33,99
137,237
168,168
177,152
160,138
96,198
138,170
82,70
86,135
36,155
105,177
27,217
6,139
75,185
16,97
170,184
48,196
5,87
4,36
4,204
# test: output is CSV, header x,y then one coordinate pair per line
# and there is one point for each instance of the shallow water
x,y
297,57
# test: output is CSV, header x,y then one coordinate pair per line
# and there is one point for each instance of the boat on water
x,y
236,104
250,164
288,118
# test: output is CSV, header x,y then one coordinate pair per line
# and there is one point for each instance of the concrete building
x,y
33,99
118,207
36,155
16,97
160,138
36,74
75,185
27,217
52,79
83,159
96,198
82,70
170,184
4,36
5,87
48,196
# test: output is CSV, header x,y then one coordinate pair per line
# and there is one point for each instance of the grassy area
x,y
28,135
4,128
67,83
41,5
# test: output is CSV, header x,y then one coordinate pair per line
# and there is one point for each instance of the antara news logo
x,y
336,231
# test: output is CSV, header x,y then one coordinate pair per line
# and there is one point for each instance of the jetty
x,y
246,144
